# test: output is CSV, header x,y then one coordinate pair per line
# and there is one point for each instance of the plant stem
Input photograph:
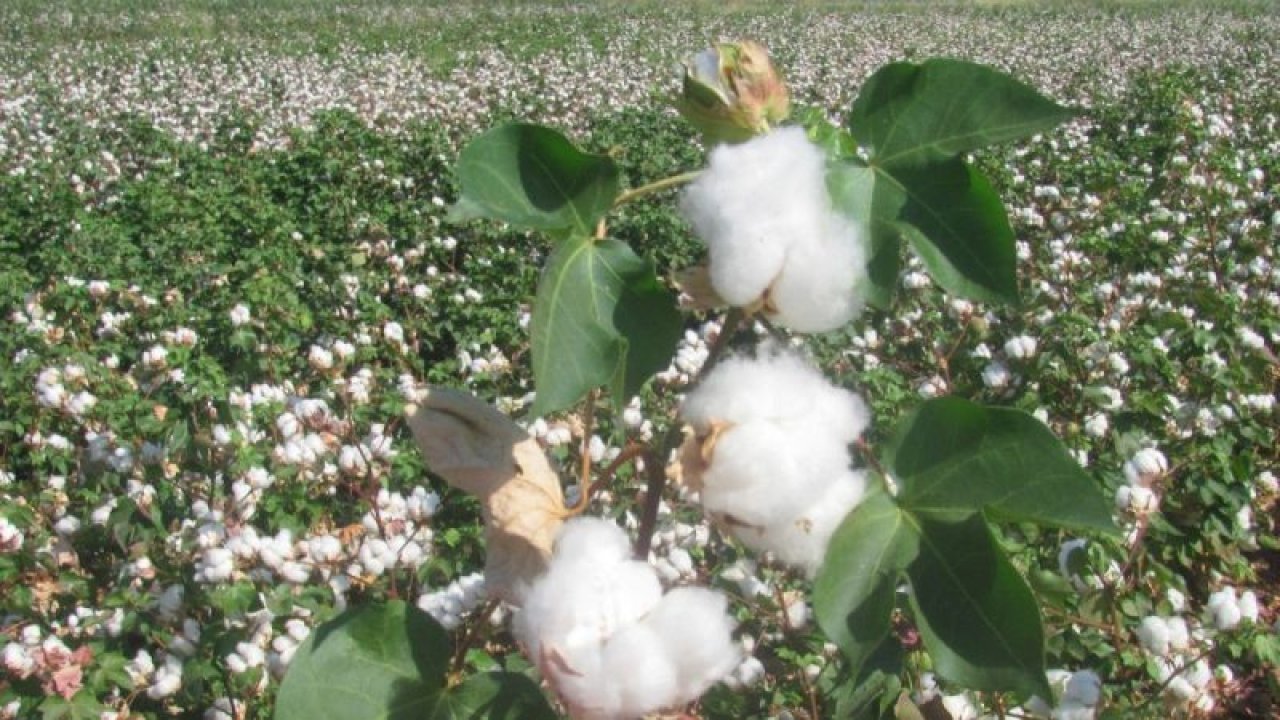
x,y
656,470
655,186
655,462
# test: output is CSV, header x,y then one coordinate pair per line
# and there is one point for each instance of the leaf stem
x,y
584,453
655,186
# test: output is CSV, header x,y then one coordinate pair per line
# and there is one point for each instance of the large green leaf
x,y
377,661
601,317
952,454
854,594
388,661
978,618
911,115
493,696
875,201
957,224
533,177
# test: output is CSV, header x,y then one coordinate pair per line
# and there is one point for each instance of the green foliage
x,y
954,455
601,318
389,661
951,462
533,177
915,122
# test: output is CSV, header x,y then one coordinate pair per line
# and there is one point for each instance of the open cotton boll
x,y
761,471
696,630
818,289
592,541
778,386
752,202
801,540
641,666
607,640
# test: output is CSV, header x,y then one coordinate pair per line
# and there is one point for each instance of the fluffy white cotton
x,y
608,641
695,627
763,211
801,540
818,287
1153,634
778,387
777,437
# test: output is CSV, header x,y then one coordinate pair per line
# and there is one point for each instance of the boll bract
x,y
775,241
606,638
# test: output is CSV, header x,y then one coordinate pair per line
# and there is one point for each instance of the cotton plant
x,y
802,226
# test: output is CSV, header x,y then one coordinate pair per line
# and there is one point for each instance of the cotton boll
x,y
818,288
696,631
760,471
1248,606
1179,636
801,540
591,541
640,664
607,640
587,594
750,203
1153,634
780,387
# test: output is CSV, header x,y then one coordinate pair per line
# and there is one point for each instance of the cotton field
x,y
228,270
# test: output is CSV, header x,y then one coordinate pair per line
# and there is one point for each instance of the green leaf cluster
x,y
914,125
601,316
390,661
955,466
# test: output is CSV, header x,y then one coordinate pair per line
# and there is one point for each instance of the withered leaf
x,y
479,450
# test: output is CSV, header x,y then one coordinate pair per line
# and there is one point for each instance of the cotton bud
x,y
732,92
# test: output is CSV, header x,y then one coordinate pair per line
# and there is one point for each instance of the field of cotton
x,y
225,270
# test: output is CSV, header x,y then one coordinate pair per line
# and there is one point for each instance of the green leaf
x,y
81,706
377,661
493,696
601,317
957,224
875,202
951,454
978,618
911,115
533,177
854,594
389,662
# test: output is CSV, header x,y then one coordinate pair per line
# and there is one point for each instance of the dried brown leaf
x,y
479,450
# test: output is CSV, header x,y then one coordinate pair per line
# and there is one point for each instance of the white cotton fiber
x,y
750,204
754,482
778,473
696,631
607,640
818,289
780,387
763,210
640,660
801,540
